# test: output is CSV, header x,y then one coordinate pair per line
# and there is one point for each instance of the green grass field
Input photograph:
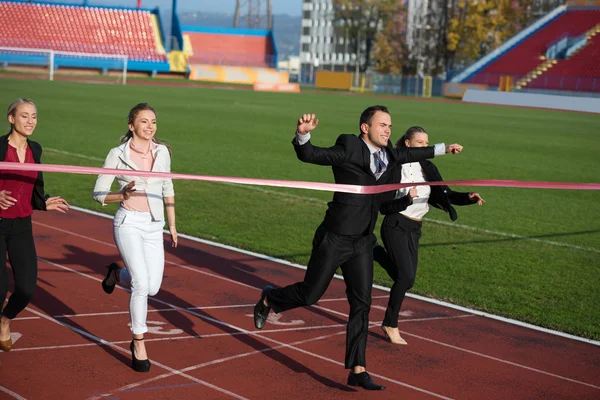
x,y
547,274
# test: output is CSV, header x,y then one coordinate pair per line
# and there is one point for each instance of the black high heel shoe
x,y
138,365
109,288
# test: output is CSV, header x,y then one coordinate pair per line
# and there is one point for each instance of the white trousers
x,y
141,245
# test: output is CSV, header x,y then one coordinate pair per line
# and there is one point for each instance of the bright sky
x,y
290,7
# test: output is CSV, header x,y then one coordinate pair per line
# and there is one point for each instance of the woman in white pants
x,y
140,219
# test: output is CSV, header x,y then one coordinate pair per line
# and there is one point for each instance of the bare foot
x,y
393,334
4,329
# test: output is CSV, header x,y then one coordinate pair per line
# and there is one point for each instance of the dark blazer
x,y
441,197
38,200
350,158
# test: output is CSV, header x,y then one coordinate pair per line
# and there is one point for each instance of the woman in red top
x,y
21,192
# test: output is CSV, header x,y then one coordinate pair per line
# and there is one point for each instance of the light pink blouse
x,y
144,160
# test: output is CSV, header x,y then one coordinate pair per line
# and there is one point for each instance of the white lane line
x,y
11,393
213,362
334,311
214,335
500,360
173,309
127,351
235,328
383,288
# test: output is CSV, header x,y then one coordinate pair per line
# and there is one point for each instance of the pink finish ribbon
x,y
331,187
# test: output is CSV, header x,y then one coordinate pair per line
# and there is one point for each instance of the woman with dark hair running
x,y
401,227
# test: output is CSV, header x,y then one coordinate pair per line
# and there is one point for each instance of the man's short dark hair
x,y
367,115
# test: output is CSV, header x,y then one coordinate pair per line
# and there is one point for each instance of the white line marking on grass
x,y
218,322
317,200
11,393
312,354
68,153
512,235
127,351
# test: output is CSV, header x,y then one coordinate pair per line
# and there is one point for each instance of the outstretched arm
x,y
464,198
415,154
457,198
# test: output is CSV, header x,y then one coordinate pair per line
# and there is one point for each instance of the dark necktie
x,y
380,166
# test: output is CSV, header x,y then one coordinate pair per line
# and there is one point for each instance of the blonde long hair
x,y
133,113
12,108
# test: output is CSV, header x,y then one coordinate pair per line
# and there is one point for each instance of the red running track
x,y
73,339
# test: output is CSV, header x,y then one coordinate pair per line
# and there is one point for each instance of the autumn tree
x,y
390,51
461,31
360,22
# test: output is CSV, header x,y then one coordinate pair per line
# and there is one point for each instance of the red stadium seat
x,y
525,56
236,50
79,29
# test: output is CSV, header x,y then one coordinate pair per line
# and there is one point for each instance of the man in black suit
x,y
345,238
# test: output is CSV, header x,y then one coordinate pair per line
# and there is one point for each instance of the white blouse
x,y
412,172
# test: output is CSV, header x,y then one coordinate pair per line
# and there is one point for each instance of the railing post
x,y
51,65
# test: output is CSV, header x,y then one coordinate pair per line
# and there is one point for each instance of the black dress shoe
x,y
364,381
261,312
109,288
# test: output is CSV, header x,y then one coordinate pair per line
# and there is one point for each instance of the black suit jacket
x,y
38,200
441,197
350,158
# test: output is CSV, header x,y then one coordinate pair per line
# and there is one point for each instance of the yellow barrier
x,y
229,74
457,90
506,83
427,86
333,80
178,61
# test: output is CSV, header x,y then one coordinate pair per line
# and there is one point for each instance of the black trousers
x,y
354,255
16,238
400,237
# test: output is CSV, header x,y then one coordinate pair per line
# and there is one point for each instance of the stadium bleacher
x,y
81,29
228,47
580,72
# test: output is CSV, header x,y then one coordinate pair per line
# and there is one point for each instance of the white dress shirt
x,y
413,173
